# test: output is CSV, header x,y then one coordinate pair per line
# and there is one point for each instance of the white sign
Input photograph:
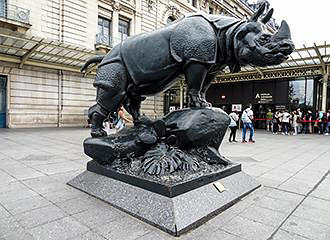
x,y
264,98
237,107
219,186
172,108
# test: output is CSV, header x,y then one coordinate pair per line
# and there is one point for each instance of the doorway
x,y
3,101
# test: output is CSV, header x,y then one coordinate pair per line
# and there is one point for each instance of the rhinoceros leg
x,y
206,84
111,82
96,115
195,74
133,105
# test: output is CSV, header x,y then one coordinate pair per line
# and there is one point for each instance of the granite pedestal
x,y
176,214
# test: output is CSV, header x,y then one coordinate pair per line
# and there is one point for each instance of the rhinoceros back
x,y
194,40
147,56
156,55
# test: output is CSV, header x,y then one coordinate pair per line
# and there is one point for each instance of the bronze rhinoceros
x,y
197,46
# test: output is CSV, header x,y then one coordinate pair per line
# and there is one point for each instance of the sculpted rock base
x,y
183,143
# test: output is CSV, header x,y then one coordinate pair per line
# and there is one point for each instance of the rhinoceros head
x,y
255,46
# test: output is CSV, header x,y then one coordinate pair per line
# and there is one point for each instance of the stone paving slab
x,y
40,216
35,164
307,228
24,205
64,229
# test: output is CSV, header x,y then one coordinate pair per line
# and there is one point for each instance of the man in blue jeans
x,y
246,118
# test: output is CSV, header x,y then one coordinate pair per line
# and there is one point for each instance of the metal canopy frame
x,y
312,60
29,50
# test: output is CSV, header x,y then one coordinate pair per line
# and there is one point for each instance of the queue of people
x,y
296,122
280,122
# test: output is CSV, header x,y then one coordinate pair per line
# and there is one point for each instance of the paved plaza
x,y
36,203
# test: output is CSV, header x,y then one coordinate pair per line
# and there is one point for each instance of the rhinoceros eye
x,y
264,38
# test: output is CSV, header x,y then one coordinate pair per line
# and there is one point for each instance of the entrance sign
x,y
264,98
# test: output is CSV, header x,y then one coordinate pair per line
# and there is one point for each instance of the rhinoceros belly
x,y
148,59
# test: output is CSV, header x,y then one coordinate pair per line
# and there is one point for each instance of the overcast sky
x,y
309,21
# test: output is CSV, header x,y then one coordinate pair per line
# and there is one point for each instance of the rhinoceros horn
x,y
269,15
283,32
260,11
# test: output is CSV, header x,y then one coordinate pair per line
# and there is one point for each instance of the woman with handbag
x,y
233,125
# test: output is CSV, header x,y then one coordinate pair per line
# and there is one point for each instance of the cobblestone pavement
x,y
36,203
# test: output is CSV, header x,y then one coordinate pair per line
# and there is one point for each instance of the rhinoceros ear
x,y
268,16
245,29
254,17
234,67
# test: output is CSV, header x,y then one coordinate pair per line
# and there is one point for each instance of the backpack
x,y
114,118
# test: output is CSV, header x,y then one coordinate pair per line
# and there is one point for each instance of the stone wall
x,y
40,97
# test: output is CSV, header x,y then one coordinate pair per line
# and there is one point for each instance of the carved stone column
x,y
115,23
325,89
181,93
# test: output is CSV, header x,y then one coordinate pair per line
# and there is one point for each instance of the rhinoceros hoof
x,y
98,133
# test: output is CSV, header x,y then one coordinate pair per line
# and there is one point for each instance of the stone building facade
x,y
43,43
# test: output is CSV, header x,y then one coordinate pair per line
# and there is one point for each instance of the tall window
x,y
211,10
194,3
3,4
103,31
123,29
301,93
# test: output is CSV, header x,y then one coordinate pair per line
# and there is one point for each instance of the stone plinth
x,y
176,214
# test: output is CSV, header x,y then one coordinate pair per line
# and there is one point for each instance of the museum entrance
x,y
3,101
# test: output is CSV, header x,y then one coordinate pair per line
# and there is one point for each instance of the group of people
x,y
247,118
116,120
298,122
282,121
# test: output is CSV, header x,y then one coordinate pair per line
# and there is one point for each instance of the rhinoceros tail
x,y
96,59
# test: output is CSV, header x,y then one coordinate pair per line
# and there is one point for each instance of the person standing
x,y
276,122
285,122
309,119
246,118
300,117
233,125
122,119
307,122
269,121
295,117
319,121
327,123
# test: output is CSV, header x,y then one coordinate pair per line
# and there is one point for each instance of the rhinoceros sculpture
x,y
197,46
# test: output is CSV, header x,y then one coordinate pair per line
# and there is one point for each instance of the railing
x,y
15,13
102,39
107,40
